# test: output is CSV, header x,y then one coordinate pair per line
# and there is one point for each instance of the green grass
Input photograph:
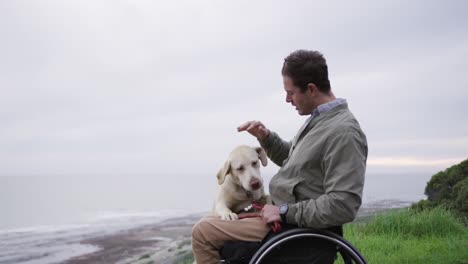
x,y
406,236
432,236
185,257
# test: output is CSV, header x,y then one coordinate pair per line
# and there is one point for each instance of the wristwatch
x,y
283,209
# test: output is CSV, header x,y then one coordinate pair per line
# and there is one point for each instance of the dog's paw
x,y
229,216
265,199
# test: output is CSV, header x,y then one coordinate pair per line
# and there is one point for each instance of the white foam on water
x,y
48,253
52,244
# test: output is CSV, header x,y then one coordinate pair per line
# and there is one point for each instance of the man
x,y
321,176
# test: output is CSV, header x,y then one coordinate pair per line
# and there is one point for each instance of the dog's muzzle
x,y
255,184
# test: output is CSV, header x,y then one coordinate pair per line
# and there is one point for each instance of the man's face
x,y
303,101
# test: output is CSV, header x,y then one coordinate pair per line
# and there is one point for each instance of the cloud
x,y
143,86
412,162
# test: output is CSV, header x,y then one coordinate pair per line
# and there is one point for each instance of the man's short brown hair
x,y
307,66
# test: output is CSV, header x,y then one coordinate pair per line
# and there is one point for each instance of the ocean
x,y
43,218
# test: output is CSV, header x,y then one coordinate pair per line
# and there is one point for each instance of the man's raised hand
x,y
255,128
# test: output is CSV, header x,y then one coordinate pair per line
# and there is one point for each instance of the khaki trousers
x,y
210,233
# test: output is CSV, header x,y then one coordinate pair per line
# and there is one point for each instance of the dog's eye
x,y
255,163
241,168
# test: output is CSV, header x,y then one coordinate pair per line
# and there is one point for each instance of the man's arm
x,y
276,148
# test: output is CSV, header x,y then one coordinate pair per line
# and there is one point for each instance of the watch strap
x,y
283,212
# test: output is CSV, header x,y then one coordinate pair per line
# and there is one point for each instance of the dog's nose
x,y
255,184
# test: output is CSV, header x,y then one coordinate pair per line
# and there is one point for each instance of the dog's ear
x,y
262,155
223,172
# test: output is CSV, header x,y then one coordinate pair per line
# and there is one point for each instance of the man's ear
x,y
313,89
262,155
223,172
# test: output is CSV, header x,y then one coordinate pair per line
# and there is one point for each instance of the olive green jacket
x,y
322,170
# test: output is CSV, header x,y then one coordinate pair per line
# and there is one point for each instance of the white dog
x,y
240,182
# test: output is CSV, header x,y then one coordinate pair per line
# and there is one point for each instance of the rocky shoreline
x,y
155,243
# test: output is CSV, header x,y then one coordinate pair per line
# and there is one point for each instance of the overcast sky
x,y
126,86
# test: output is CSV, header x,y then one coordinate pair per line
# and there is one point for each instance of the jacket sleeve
x,y
343,164
276,148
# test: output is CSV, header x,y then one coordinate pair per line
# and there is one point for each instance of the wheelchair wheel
x,y
347,251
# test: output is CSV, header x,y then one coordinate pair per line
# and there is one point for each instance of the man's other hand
x,y
270,214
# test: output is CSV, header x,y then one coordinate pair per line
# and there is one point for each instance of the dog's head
x,y
243,166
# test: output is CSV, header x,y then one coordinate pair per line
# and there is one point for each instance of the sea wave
x,y
57,243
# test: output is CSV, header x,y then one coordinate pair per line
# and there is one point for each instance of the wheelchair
x,y
277,249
